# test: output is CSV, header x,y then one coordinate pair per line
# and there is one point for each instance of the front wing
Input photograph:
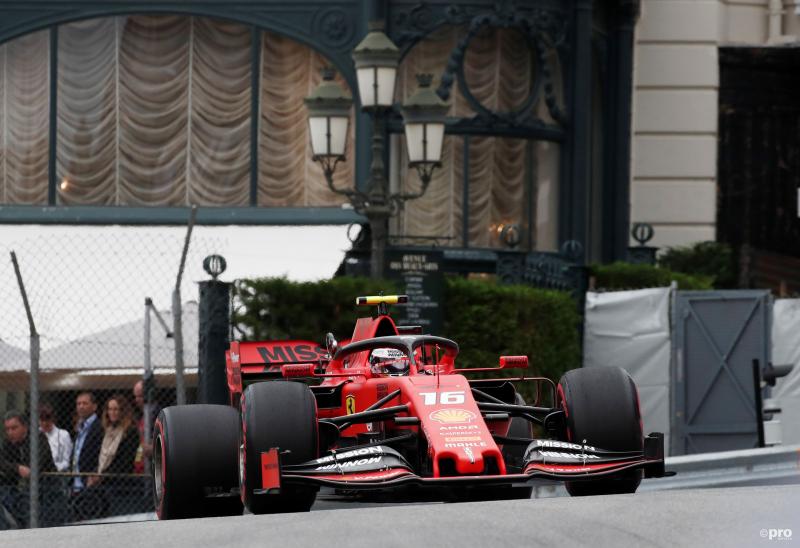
x,y
381,467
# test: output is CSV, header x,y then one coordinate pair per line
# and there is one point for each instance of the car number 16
x,y
445,398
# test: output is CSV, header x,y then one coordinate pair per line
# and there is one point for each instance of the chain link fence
x,y
86,287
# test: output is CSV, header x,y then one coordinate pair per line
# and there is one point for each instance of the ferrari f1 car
x,y
390,408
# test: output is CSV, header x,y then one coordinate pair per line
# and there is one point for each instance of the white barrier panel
x,y
786,350
630,329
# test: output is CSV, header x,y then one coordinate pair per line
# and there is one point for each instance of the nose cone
x,y
472,462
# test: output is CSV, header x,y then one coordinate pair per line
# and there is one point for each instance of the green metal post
x,y
581,136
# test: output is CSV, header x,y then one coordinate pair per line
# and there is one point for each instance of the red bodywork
x,y
458,443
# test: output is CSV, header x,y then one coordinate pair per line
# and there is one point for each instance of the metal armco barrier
x,y
763,466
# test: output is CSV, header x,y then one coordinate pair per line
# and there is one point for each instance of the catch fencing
x,y
86,289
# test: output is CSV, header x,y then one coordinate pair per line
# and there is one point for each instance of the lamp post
x,y
376,59
328,122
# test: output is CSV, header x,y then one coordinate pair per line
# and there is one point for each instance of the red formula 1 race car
x,y
388,409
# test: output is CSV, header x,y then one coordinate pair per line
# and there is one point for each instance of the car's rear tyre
x,y
602,407
284,415
189,464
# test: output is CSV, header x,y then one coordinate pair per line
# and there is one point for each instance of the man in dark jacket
x,y
15,466
88,439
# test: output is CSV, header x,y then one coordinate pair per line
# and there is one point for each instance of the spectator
x,y
14,466
59,439
88,438
145,450
111,494
120,440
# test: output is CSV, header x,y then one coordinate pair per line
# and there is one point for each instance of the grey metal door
x,y
717,335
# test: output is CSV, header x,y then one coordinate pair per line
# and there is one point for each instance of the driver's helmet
x,y
389,361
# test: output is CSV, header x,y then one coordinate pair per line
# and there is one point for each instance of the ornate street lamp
x,y
328,122
376,59
424,115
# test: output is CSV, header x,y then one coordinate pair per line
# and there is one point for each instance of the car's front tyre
x,y
602,408
277,414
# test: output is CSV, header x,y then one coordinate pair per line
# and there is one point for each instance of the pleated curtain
x,y
498,70
26,117
156,111
288,176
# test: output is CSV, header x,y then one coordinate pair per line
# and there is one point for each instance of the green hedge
x,y
712,259
622,276
487,320
276,308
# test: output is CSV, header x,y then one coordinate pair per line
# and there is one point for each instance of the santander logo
x,y
452,416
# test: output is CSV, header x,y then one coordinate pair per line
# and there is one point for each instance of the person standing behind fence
x,y
59,439
145,446
120,441
15,470
110,494
88,438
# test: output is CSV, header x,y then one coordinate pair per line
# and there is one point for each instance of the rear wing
x,y
263,360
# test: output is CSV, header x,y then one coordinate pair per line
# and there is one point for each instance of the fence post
x,y
148,383
214,322
177,313
33,432
148,372
759,403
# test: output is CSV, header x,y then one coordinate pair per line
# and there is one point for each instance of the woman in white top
x,y
60,441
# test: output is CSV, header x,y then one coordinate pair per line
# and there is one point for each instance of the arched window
x,y
157,110
508,178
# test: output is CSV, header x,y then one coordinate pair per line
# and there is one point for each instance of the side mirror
x,y
513,362
771,373
331,344
297,370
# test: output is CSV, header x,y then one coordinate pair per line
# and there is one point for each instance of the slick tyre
x,y
195,455
602,407
277,414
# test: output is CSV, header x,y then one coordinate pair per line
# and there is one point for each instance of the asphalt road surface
x,y
739,516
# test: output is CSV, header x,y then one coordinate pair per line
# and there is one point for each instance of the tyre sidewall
x,y
602,408
192,460
283,415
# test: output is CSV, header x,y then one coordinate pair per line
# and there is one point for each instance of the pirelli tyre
x,y
195,473
602,408
278,414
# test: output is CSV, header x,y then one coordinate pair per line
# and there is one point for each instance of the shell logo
x,y
452,416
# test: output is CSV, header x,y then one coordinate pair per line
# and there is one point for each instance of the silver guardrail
x,y
763,466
